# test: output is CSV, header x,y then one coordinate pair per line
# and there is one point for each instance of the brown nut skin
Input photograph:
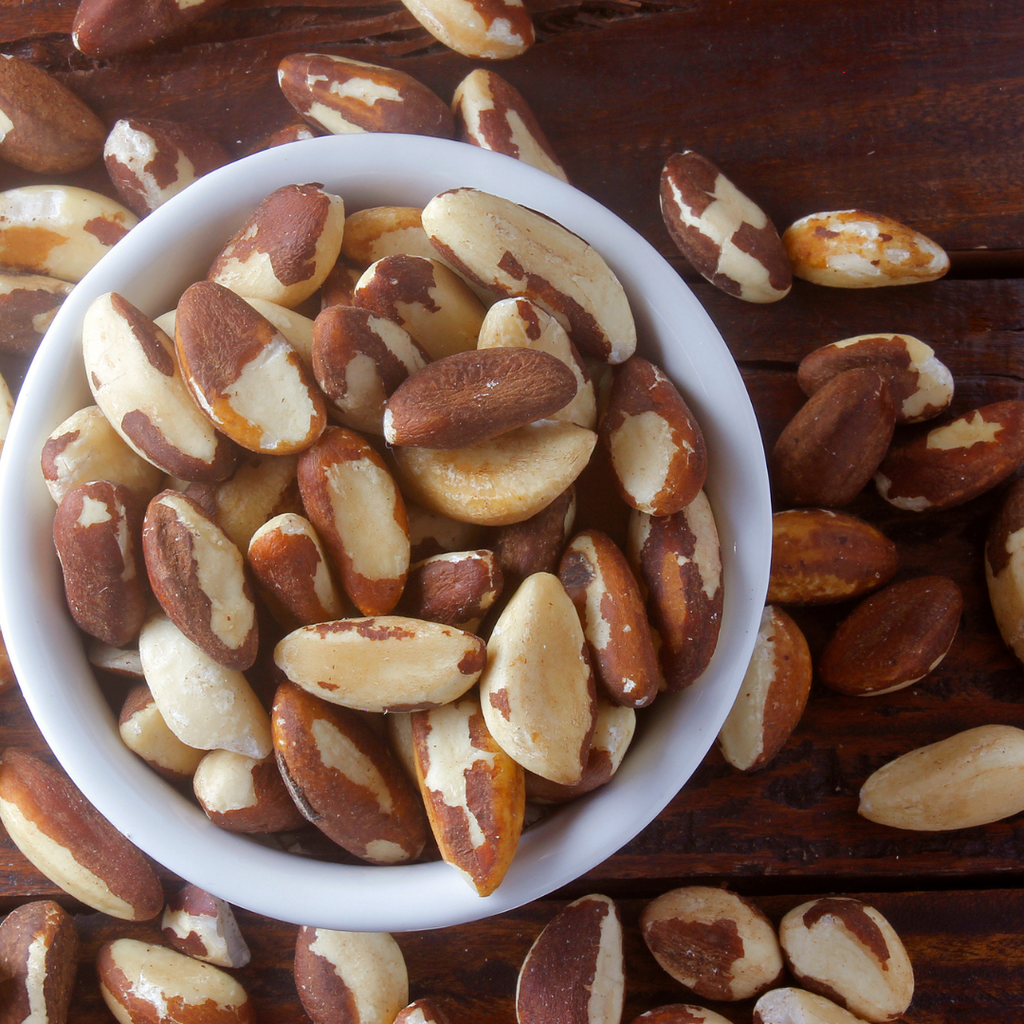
x,y
831,448
680,1013
715,942
1004,568
203,926
422,1011
110,28
455,588
28,303
494,31
821,556
38,962
955,461
71,843
894,638
848,952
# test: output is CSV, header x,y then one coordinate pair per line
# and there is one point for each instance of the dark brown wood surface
x,y
914,110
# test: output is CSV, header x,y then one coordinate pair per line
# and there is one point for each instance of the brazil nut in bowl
x,y
150,268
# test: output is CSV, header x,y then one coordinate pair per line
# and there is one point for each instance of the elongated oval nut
x,y
847,951
86,447
379,231
679,559
145,733
504,480
772,696
920,383
340,96
971,778
382,663
820,555
574,972
473,791
358,360
66,838
468,397
244,794
203,926
358,512
150,984
425,297
680,1013
858,249
655,443
286,248
59,230
727,237
244,374
204,704
135,379
511,250
796,1006
474,29
199,578
492,114
714,941
96,532
537,691
456,588
110,28
955,461
1004,568
521,323
28,304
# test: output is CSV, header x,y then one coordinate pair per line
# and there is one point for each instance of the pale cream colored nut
x,y
244,794
350,977
96,534
492,114
714,941
468,397
120,661
601,584
433,534
425,297
920,383
203,926
28,304
834,443
38,962
422,1011
535,544
956,461
820,555
858,249
474,793
894,638
59,230
1004,568
380,231
724,234
199,578
971,778
145,733
398,729
135,379
511,250
355,506
537,691
359,359
521,323
286,248
504,480
110,28
475,29
796,1006
340,283
772,696
340,96
150,984
678,559
67,839
6,410
848,952
291,568
244,374
151,159
680,1013
614,727
574,973
654,441
44,126
204,704
382,663
456,588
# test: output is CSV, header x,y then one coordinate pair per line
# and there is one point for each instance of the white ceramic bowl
x,y
151,266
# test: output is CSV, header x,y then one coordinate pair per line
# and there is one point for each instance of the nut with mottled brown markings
x,y
456,588
204,926
433,534
244,794
146,734
1004,567
535,544
380,231
680,1013
28,304
422,1011
109,28
494,31
713,941
795,1006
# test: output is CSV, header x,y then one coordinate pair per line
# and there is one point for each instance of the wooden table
x,y
912,110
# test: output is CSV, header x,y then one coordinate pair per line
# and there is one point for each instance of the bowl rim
x,y
49,659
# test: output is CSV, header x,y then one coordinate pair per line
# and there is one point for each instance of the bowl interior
x,y
151,266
